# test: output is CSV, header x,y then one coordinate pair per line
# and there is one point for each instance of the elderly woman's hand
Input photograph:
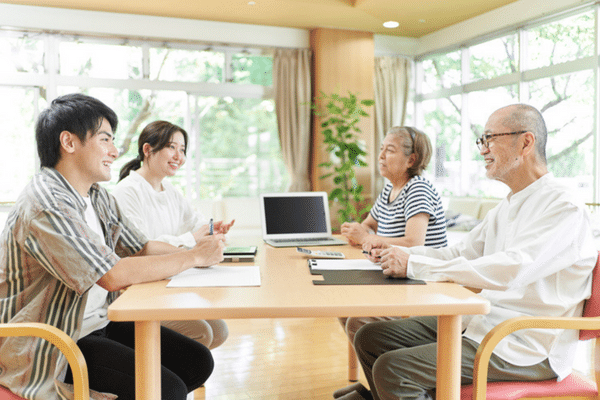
x,y
355,233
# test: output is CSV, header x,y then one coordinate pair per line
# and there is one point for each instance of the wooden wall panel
x,y
342,61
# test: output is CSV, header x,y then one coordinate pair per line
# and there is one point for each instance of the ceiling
x,y
416,17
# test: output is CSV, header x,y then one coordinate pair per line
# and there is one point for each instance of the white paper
x,y
217,276
344,265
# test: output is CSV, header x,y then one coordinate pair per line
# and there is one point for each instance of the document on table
x,y
344,265
217,276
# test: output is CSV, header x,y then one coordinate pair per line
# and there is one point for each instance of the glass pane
x,y
252,69
186,65
494,58
21,52
481,105
567,104
561,41
441,71
17,133
135,110
99,60
238,151
442,125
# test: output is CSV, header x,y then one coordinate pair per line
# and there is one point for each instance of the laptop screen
x,y
295,214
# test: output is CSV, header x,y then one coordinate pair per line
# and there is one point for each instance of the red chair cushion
x,y
592,305
573,385
6,394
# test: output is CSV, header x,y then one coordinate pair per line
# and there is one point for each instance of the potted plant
x,y
339,119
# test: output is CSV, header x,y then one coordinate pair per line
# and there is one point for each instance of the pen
x,y
210,227
369,253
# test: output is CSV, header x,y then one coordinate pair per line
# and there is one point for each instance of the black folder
x,y
356,277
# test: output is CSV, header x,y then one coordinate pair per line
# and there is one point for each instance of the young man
x,y
532,255
65,238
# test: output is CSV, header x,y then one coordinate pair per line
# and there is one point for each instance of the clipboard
x,y
335,275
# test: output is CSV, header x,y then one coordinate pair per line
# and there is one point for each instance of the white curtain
x,y
391,84
291,80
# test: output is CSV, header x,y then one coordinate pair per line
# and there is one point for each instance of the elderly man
x,y
532,255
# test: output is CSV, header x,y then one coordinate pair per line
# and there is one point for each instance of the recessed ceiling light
x,y
251,3
391,24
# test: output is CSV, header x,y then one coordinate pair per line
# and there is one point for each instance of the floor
x,y
279,359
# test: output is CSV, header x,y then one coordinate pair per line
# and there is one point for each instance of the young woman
x,y
161,212
408,212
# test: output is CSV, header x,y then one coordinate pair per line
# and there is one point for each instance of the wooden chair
x,y
63,342
575,386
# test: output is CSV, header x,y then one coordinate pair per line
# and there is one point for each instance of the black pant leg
x,y
188,359
111,369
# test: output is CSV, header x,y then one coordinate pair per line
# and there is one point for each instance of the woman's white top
x,y
165,216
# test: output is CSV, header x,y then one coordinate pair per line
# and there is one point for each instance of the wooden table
x,y
287,291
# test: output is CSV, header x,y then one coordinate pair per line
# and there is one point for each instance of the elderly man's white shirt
x,y
532,255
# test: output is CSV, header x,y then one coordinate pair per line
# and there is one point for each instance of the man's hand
x,y
209,250
354,232
373,249
394,262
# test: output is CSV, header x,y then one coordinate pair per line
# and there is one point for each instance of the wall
x,y
149,27
343,61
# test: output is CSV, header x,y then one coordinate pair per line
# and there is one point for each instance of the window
x,y
564,40
172,65
567,103
441,71
99,60
220,95
555,74
18,108
21,52
494,58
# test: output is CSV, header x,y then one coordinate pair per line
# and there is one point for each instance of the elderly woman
x,y
408,212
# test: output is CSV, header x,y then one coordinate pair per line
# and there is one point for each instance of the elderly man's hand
x,y
373,248
394,262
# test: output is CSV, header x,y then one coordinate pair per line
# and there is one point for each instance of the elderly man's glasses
x,y
484,140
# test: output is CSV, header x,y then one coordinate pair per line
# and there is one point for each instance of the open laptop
x,y
296,219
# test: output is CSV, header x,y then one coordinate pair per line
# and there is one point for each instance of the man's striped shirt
x,y
49,258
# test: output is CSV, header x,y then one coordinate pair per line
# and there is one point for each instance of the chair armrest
x,y
489,342
63,342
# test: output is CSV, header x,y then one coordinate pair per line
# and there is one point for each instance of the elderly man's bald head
x,y
523,117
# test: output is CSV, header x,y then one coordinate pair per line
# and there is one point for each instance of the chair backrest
x,y
592,305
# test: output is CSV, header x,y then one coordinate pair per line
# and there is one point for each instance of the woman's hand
x,y
221,227
355,233
200,233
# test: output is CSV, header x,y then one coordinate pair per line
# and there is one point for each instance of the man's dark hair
x,y
76,113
